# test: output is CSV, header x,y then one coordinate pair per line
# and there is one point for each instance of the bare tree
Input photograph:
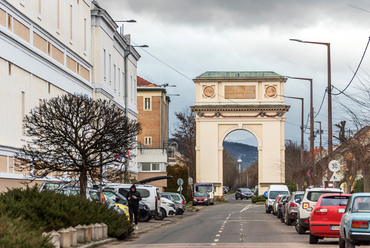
x,y
294,171
185,136
230,170
77,136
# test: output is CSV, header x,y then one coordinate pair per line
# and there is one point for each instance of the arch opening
x,y
240,160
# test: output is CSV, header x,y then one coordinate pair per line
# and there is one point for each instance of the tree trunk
x,y
365,173
83,182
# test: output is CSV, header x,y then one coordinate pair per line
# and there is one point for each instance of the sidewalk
x,y
145,227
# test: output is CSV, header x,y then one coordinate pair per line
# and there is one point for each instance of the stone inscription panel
x,y
240,92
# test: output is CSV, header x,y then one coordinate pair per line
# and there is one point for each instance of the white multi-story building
x,y
52,47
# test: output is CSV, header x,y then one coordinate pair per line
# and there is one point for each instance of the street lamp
x,y
129,21
302,123
311,118
330,118
240,161
320,139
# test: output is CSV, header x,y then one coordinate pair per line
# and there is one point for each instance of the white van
x,y
149,194
273,191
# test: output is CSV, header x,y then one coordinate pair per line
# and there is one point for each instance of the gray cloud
x,y
247,13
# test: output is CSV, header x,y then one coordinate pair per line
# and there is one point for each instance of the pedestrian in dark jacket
x,y
133,197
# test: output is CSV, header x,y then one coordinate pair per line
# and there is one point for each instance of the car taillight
x,y
305,205
292,205
182,202
280,205
321,211
103,198
360,224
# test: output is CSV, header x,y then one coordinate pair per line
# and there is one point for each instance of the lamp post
x,y
330,118
302,123
320,139
311,118
122,27
240,180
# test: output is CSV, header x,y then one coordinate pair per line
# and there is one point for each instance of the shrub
x,y
291,186
17,233
49,210
359,186
258,198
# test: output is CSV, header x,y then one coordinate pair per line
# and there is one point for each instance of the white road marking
x,y
216,240
218,235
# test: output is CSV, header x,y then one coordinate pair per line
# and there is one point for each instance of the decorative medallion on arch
x,y
244,100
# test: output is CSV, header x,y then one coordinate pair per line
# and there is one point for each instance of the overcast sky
x,y
194,36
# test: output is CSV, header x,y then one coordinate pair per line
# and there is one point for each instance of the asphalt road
x,y
235,224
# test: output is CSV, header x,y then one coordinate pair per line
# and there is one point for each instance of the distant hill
x,y
248,154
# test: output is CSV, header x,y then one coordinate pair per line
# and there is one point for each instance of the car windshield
x,y
205,188
274,194
176,197
298,197
361,204
200,194
334,201
315,195
246,190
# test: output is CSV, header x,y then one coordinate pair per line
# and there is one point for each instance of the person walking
x,y
133,197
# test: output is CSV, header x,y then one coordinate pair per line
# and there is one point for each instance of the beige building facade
x,y
230,101
54,47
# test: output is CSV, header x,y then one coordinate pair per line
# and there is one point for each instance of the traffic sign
x,y
334,166
334,177
179,189
180,181
190,181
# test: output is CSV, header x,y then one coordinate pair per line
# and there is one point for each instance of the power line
x,y
322,101
354,75
182,74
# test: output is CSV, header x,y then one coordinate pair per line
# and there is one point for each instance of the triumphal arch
x,y
245,100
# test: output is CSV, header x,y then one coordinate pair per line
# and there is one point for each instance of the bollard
x,y
65,238
80,234
55,238
87,233
73,233
105,230
93,232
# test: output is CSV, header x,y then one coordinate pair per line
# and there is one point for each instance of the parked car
x,y
201,198
275,206
280,206
354,225
149,194
117,198
243,193
177,199
226,189
167,208
310,197
326,215
272,193
291,207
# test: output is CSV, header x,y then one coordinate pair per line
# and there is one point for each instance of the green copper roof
x,y
235,74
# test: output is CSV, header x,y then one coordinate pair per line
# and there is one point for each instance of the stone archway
x,y
229,101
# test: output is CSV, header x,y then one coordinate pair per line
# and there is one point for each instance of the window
x,y
49,48
147,141
119,80
58,15
10,22
150,166
71,22
40,8
123,85
114,78
49,88
85,35
132,90
110,68
147,104
105,64
23,109
135,91
9,68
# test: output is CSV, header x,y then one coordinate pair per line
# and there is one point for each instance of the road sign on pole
x,y
334,166
190,181
179,189
334,177
180,181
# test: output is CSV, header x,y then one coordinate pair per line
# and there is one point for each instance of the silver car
x,y
291,207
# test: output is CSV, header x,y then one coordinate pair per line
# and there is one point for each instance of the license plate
x,y
341,210
334,228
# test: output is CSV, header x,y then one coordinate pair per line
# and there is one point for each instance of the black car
x,y
243,193
144,210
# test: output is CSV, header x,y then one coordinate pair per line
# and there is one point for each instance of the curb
x,y
100,242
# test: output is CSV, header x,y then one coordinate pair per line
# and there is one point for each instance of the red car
x,y
201,198
326,215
